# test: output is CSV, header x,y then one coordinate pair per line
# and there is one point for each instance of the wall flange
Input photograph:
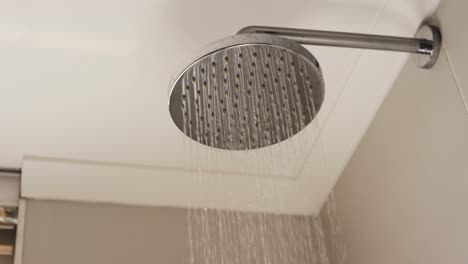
x,y
433,34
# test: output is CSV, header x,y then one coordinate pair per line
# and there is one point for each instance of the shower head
x,y
261,87
247,91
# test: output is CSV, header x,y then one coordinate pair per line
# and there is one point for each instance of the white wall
x,y
403,198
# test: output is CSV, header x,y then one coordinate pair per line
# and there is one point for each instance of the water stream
x,y
218,236
248,98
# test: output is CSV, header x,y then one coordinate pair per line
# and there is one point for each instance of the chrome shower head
x,y
247,91
261,87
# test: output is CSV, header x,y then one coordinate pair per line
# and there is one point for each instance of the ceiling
x,y
85,90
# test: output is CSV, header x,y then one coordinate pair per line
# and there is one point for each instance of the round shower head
x,y
247,91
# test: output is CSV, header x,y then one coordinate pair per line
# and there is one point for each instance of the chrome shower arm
x,y
344,39
430,46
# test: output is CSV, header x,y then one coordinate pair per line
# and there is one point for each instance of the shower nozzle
x,y
261,87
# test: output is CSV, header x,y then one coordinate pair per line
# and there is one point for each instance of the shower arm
x,y
428,47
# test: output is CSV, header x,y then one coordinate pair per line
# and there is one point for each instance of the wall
x,y
67,232
403,196
9,195
7,237
9,189
6,260
59,232
452,17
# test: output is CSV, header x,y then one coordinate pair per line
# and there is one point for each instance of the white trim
x,y
18,258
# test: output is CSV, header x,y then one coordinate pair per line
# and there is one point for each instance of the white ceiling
x,y
84,91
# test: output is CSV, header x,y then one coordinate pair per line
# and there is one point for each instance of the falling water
x,y
247,98
218,236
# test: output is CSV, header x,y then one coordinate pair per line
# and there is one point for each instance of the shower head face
x,y
246,92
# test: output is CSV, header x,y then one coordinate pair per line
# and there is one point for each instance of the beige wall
x,y
9,195
403,198
452,17
77,233
6,260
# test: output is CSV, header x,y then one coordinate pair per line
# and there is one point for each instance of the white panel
x,y
98,78
87,83
97,182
